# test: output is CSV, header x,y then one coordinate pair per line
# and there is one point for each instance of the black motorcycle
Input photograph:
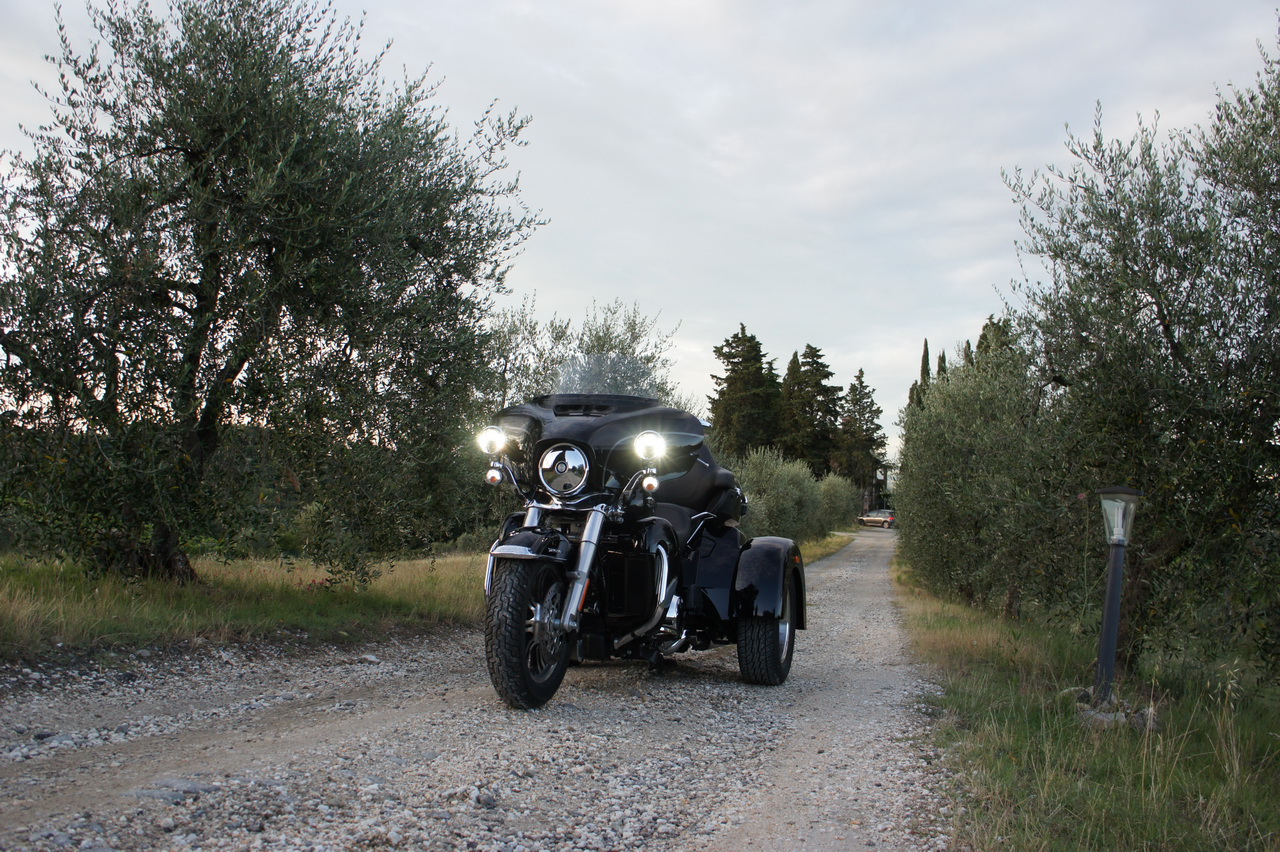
x,y
628,546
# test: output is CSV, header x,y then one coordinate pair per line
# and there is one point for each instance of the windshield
x,y
612,373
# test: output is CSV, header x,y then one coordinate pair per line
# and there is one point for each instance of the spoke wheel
x,y
525,648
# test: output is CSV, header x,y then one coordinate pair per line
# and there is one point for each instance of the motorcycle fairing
x,y
604,426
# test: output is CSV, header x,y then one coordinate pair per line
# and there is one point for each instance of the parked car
x,y
878,518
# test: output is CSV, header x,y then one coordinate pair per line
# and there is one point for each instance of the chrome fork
x,y
586,557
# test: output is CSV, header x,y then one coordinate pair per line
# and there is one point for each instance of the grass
x,y
1030,776
48,605
821,548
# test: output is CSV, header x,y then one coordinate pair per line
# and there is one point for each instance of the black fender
x,y
763,564
532,543
525,543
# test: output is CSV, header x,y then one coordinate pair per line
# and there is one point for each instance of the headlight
x,y
563,469
650,446
492,440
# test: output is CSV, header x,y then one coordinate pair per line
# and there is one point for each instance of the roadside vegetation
x,y
1030,775
52,607
1147,355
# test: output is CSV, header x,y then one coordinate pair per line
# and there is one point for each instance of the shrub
x,y
784,497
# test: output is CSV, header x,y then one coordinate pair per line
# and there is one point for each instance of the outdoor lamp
x,y
1119,504
1118,507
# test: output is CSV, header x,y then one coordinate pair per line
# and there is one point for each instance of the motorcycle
x,y
628,547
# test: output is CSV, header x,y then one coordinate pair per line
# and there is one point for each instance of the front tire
x,y
524,647
766,645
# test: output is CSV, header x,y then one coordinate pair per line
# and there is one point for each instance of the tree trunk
x,y
165,559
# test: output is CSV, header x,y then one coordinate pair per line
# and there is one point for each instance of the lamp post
x,y
1118,507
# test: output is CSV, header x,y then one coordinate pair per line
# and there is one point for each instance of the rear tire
x,y
766,645
886,524
526,652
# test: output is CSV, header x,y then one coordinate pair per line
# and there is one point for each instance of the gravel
x,y
403,745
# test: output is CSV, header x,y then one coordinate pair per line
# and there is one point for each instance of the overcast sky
x,y
822,171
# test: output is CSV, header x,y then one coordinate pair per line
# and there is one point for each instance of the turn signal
x,y
649,484
493,476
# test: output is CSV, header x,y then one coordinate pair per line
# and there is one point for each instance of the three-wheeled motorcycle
x,y
627,547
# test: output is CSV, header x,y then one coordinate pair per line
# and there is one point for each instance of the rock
x,y
172,797
1144,720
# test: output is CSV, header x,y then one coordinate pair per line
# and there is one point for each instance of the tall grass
x,y
46,605
1031,776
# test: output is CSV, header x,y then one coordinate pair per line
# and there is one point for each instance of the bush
x,y
784,497
841,501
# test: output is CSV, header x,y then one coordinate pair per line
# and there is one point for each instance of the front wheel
x,y
525,648
766,645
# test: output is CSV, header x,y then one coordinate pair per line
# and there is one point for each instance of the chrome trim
x,y
563,469
664,595
515,551
488,571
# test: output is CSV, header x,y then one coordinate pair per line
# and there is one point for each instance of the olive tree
x,y
232,221
1149,356
614,348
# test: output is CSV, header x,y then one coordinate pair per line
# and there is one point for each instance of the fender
x,y
757,586
527,543
533,543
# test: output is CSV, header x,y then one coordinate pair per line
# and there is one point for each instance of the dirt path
x,y
852,774
405,746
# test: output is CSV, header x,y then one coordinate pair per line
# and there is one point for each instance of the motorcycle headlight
x,y
563,469
650,446
492,440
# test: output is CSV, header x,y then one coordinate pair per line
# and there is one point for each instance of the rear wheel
x,y
525,648
886,524
766,645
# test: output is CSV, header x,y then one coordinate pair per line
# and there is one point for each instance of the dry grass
x,y
47,605
1031,776
821,548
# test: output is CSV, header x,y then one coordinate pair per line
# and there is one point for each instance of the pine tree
x,y
810,410
744,411
996,334
861,440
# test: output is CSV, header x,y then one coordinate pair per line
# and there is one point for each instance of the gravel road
x,y
405,745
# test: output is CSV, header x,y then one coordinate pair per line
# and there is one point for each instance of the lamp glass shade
x,y
1118,508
